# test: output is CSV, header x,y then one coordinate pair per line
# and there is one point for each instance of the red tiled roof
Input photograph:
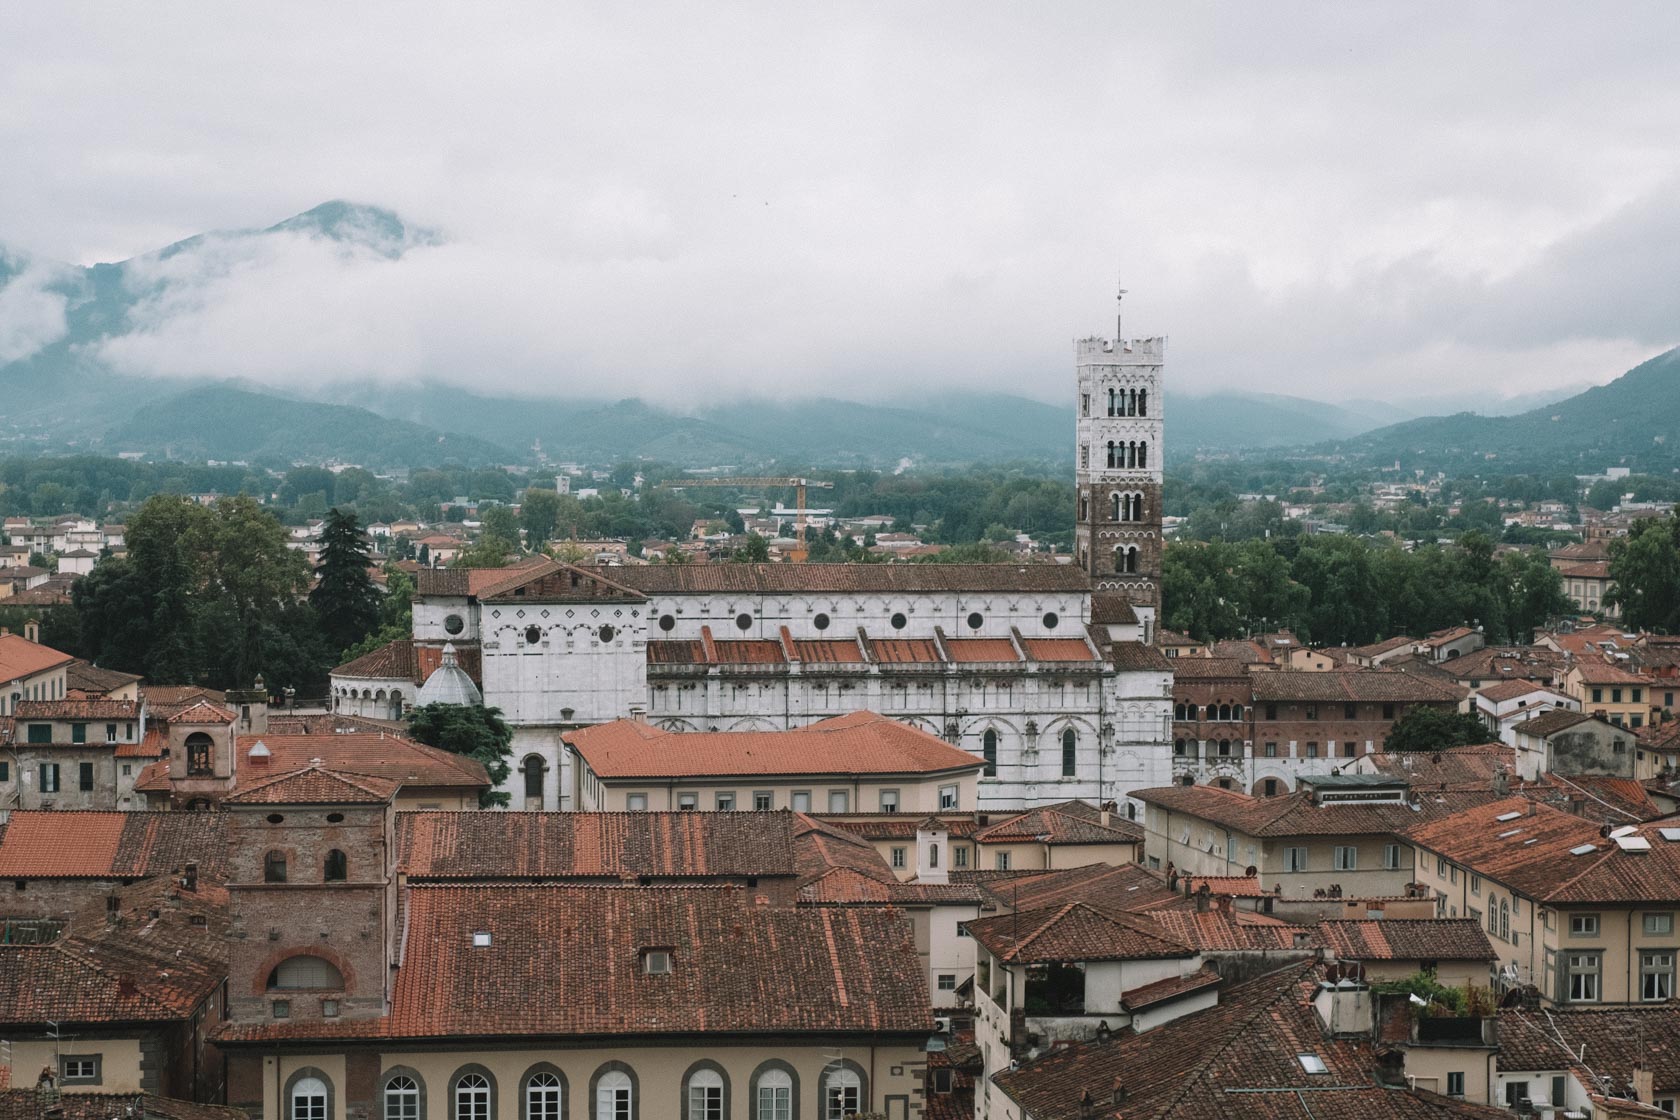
x,y
25,1104
1135,657
1512,689
94,681
1617,1040
1625,799
1466,768
392,661
428,658
151,745
1209,667
1385,646
1162,991
964,650
20,657
376,754
1407,939
858,743
676,651
833,651
77,709
748,651
737,969
904,651
1070,822
1296,815
202,711
1550,723
1339,685
89,844
1533,853
1221,930
163,695
1124,887
314,785
1075,931
1587,569
1058,649
1226,886
1238,1059
1593,671
478,845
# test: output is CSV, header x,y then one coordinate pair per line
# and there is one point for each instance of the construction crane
x,y
798,552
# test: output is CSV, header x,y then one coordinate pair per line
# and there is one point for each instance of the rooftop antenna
x,y
1119,328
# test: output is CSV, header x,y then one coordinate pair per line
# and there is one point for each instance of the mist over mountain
x,y
90,361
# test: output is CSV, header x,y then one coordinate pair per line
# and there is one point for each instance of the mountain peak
x,y
357,222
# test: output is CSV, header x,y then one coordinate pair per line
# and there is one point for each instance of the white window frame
x,y
948,796
1345,858
1295,859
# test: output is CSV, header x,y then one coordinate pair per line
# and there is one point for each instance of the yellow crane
x,y
798,552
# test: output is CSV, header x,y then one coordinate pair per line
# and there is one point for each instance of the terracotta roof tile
x,y
1069,822
24,1104
1135,657
392,661
1199,667
1221,930
89,844
379,755
1163,991
676,651
1407,939
858,743
1296,815
904,651
1074,931
77,709
1058,649
314,785
94,681
1535,854
1593,671
832,651
1617,1039
1124,887
1550,723
20,658
737,969
571,845
964,650
1503,690
1338,685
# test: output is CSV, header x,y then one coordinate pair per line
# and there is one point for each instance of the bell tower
x,y
1120,411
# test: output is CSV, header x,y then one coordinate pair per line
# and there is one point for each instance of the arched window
x,y
199,748
274,867
309,1099
773,1095
472,1097
1143,402
1143,454
1118,506
1131,402
545,1096
533,769
304,974
336,869
1137,507
402,1098
933,855
1111,450
704,1097
1179,713
1505,919
1111,402
1070,752
1236,711
614,1096
988,751
842,1092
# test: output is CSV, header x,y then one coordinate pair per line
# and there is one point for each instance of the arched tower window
x,y
1112,448
1070,753
1119,507
472,1097
1143,402
1111,402
1131,403
199,748
988,751
533,770
336,867
1137,508
1143,454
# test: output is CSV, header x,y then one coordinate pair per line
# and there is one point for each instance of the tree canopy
x,y
473,731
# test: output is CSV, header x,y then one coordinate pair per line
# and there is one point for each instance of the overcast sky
x,y
1336,200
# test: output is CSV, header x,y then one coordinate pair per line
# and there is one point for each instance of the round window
x,y
607,633
453,624
335,818
743,621
533,635
976,620
820,622
1050,620
275,818
898,621
667,622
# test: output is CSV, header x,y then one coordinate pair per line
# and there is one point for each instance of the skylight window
x,y
1508,833
481,939
656,962
1584,849
1312,1063
1633,843
1671,834
1508,816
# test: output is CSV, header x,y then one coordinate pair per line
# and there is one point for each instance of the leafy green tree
x,y
301,482
344,596
1431,729
1645,568
540,514
473,731
396,615
500,527
754,550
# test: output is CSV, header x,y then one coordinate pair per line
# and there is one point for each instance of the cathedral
x,y
1044,671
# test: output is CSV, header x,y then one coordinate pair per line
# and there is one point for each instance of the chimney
x,y
1119,1091
1204,894
1644,1088
1087,1106
189,881
32,631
